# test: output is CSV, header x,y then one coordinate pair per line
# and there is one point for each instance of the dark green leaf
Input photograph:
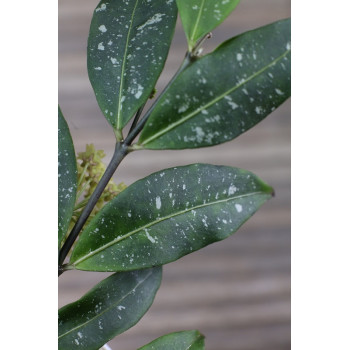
x,y
186,340
225,93
110,308
128,44
167,215
67,177
199,17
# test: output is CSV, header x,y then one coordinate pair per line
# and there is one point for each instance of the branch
x,y
121,150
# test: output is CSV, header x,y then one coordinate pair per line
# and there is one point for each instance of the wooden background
x,y
236,292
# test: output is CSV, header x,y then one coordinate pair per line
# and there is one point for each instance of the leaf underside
x,y
167,215
110,308
128,44
199,17
67,177
225,93
185,340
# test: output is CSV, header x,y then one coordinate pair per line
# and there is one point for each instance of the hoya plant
x,y
132,231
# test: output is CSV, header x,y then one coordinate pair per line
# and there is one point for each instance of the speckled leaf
x,y
110,308
128,44
186,340
224,93
67,177
199,17
167,215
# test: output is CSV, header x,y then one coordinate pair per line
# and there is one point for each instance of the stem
x,y
121,150
189,58
196,49
83,174
86,184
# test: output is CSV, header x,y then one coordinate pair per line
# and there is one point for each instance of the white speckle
x,y
258,109
279,92
102,28
239,57
233,105
288,46
205,222
183,187
204,111
110,42
80,335
129,214
121,307
101,8
139,91
199,133
224,221
100,46
150,237
76,341
183,108
114,60
195,7
232,189
238,208
155,19
158,202
98,68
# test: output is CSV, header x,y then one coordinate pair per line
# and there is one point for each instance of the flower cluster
x,y
90,170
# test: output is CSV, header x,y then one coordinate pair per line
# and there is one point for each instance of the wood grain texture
x,y
236,292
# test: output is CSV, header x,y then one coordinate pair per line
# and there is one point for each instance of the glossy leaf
x,y
186,340
167,215
110,308
67,177
199,17
128,44
224,93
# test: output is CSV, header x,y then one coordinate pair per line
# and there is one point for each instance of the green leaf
x,y
186,340
67,177
110,308
128,44
224,93
199,17
167,215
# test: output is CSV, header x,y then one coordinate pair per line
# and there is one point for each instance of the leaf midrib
x,y
215,100
115,241
123,65
107,309
196,24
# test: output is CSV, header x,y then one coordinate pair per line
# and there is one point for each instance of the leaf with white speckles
x,y
199,17
128,44
110,308
225,93
67,177
186,340
167,215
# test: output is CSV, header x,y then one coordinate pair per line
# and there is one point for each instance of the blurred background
x,y
236,292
